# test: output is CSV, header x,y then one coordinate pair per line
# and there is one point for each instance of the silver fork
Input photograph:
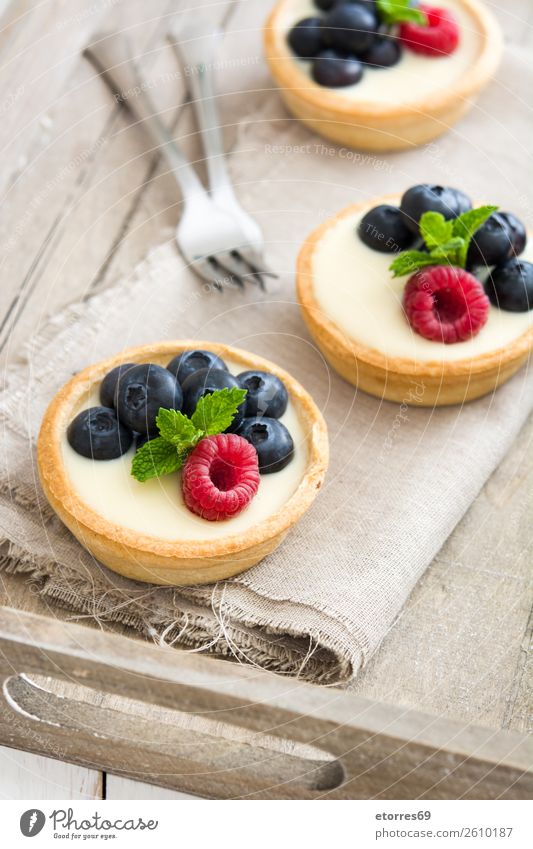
x,y
214,243
195,45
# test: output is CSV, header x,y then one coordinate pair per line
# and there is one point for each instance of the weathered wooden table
x,y
83,200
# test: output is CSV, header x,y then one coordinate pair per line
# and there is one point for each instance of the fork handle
x,y
195,46
110,53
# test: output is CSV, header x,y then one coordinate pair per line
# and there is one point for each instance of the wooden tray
x,y
222,730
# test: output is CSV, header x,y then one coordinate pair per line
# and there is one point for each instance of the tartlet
x,y
427,381
370,124
152,559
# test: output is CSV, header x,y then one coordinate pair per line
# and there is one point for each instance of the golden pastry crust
x,y
150,559
377,126
427,383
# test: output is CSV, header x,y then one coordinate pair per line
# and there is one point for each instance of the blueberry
x,y
326,5
510,286
517,234
271,440
190,361
384,52
108,387
370,4
350,28
332,70
462,202
141,392
266,394
305,37
383,229
491,244
97,433
204,382
426,198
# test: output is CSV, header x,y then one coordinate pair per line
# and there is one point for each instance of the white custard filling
x,y
156,507
355,289
414,77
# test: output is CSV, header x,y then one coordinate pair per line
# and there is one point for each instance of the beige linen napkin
x,y
400,477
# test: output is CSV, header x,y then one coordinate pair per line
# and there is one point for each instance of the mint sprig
x,y
447,242
178,434
435,230
466,226
410,261
393,12
156,458
214,413
176,428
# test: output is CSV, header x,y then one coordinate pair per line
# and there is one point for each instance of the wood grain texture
x,y
27,776
182,721
85,199
462,647
124,788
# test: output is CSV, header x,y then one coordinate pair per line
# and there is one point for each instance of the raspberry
x,y
439,38
220,476
445,304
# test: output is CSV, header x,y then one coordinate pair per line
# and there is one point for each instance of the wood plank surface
x,y
27,776
452,651
84,199
225,730
125,788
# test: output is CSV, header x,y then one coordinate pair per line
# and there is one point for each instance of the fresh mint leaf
x,y
178,434
155,458
447,241
177,429
467,224
410,261
448,253
409,15
399,11
384,8
215,412
412,16
435,230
